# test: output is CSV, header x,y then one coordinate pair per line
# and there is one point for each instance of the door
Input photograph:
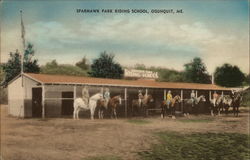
x,y
36,102
67,104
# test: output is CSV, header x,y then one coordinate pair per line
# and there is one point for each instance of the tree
x,y
63,69
140,66
106,67
196,72
83,64
228,76
13,67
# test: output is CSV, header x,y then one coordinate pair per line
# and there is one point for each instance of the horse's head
x,y
202,98
97,96
119,99
177,98
150,98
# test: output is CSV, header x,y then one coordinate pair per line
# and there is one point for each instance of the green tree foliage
x,y
196,72
228,76
83,64
13,67
62,69
140,66
106,67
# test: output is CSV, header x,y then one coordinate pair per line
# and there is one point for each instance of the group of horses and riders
x,y
100,100
109,105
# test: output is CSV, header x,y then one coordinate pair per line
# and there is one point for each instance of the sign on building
x,y
140,74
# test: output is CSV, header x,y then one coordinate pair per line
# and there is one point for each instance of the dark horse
x,y
112,106
217,105
189,105
169,108
113,103
144,104
236,103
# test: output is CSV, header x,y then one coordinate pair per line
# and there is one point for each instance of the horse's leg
x,y
92,111
173,112
237,111
162,111
99,113
115,113
77,113
74,113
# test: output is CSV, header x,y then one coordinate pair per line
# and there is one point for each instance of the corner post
x,y
126,105
43,101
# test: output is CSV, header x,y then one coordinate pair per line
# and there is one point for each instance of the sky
x,y
215,30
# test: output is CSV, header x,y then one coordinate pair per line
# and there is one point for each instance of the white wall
x,y
15,98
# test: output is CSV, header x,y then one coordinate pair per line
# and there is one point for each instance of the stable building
x,y
43,95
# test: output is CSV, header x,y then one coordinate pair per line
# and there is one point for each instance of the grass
x,y
199,146
103,158
138,121
197,120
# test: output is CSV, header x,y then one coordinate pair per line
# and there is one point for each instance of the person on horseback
x,y
140,97
215,97
192,97
85,95
106,97
169,98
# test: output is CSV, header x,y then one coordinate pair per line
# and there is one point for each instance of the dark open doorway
x,y
67,104
36,102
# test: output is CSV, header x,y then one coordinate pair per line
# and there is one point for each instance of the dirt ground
x,y
64,139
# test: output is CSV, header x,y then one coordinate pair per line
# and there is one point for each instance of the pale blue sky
x,y
215,30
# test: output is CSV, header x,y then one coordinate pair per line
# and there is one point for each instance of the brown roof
x,y
63,79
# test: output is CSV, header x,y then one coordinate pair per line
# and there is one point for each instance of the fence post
x,y
74,92
182,101
43,101
126,105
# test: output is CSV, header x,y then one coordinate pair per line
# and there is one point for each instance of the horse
x,y
227,103
236,103
79,104
170,106
101,107
145,101
217,106
113,104
189,104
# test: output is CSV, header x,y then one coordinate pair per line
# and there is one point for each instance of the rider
x,y
106,96
192,97
140,97
85,94
169,98
215,97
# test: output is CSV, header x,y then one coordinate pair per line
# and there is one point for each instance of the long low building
x,y
43,95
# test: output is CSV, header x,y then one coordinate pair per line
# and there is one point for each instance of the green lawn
x,y
206,146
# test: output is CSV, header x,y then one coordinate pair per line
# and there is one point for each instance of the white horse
x,y
80,104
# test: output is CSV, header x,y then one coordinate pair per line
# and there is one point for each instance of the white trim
x,y
32,78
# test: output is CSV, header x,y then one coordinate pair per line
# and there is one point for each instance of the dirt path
x,y
64,139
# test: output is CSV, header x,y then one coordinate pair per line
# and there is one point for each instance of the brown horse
x,y
170,107
113,104
141,108
101,108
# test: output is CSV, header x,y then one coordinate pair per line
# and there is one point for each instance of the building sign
x,y
140,73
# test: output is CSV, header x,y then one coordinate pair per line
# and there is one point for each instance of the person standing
x,y
106,97
169,98
85,95
192,95
215,97
140,97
